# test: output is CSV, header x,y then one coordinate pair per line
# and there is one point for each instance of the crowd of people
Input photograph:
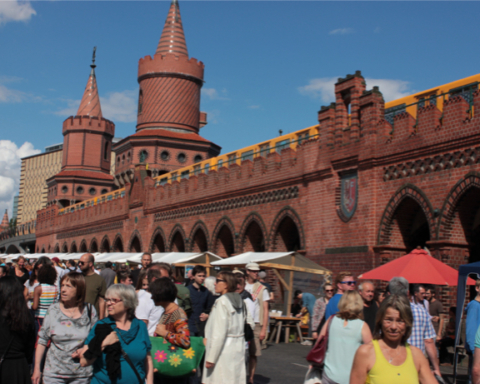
x,y
71,323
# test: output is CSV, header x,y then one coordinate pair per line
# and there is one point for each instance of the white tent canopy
x,y
184,257
291,261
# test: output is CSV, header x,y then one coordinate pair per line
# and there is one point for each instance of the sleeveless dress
x,y
384,372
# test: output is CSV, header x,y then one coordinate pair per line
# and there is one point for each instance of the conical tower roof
x,y
173,37
4,224
90,104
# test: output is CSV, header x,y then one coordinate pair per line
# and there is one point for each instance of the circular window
x,y
92,191
143,155
181,157
197,158
79,190
104,190
64,189
165,155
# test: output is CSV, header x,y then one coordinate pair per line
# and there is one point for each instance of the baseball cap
x,y
236,270
253,267
56,260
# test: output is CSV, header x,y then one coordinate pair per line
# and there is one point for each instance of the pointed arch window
x,y
105,152
140,102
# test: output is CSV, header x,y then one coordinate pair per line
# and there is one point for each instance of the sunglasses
x,y
113,301
328,290
82,263
349,282
220,281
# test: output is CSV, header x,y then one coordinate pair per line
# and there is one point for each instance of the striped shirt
x,y
47,298
422,327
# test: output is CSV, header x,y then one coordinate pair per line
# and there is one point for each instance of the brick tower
x,y
169,117
4,226
87,146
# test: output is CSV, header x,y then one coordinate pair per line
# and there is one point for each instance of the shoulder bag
x,y
316,356
6,350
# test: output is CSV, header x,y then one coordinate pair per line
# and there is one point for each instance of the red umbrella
x,y
418,267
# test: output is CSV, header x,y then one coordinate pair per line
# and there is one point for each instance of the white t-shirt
x,y
60,273
30,288
146,310
266,297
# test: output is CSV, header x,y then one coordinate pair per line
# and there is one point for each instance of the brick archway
x,y
65,247
199,238
118,243
177,239
83,246
157,243
105,245
93,246
410,195
286,217
459,190
56,249
135,243
253,234
73,247
223,238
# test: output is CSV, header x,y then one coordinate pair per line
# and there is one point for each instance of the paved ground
x,y
286,364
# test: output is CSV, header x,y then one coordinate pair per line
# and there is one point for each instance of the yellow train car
x,y
291,140
436,96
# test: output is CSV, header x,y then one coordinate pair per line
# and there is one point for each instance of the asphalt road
x,y
285,364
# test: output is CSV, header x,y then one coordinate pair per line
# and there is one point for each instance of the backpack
x,y
184,300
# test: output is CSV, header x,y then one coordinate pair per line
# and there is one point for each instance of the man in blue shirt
x,y
308,302
472,325
343,282
201,303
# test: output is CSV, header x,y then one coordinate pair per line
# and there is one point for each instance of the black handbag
x,y
247,329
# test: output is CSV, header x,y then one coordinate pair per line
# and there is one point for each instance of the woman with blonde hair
x,y
389,358
346,333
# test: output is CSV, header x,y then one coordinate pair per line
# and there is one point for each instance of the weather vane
x,y
93,57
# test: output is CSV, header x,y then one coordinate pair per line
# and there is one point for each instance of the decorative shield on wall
x,y
349,195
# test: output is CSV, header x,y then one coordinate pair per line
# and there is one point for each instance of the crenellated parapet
x,y
170,64
92,123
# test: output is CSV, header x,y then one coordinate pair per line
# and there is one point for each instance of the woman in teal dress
x,y
121,326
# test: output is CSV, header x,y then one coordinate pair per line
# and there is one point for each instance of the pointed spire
x,y
4,224
173,38
90,104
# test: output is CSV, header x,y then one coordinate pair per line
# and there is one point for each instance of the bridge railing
x,y
26,228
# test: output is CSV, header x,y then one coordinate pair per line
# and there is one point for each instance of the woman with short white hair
x,y
119,333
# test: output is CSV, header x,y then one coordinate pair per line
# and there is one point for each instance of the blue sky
x,y
269,65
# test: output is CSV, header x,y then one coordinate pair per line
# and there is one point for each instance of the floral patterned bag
x,y
174,361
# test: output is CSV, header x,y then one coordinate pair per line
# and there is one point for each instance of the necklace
x,y
393,357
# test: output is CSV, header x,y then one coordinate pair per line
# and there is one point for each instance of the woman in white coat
x,y
225,340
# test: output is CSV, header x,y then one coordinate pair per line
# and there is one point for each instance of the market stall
x,y
289,262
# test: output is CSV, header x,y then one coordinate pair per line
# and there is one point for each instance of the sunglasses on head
x,y
349,282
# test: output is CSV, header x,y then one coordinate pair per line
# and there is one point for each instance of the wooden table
x,y
285,322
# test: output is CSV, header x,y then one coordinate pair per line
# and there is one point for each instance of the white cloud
x,y
8,95
341,31
117,106
213,94
324,88
12,10
120,106
10,164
